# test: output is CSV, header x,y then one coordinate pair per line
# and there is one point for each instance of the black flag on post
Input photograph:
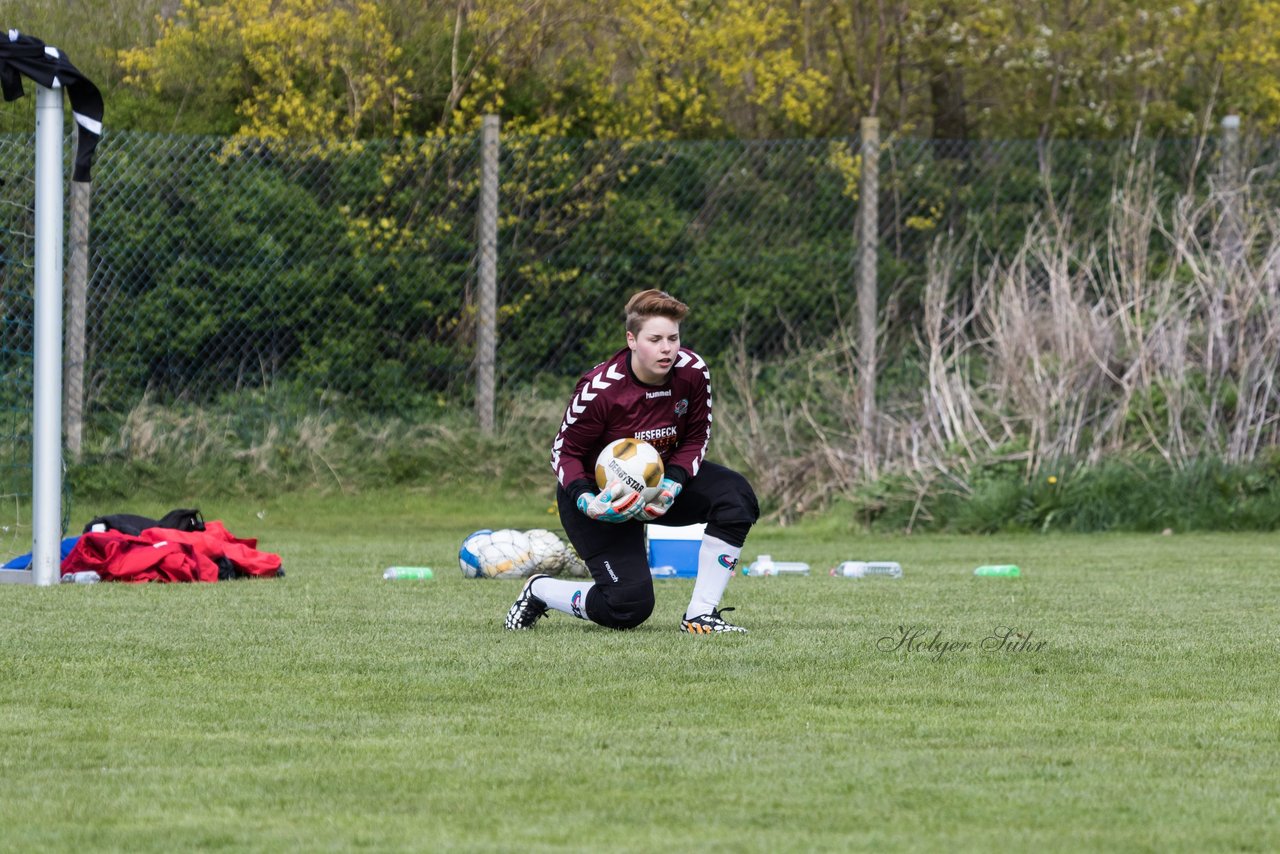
x,y
48,66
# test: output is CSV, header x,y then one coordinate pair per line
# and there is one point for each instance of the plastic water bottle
x,y
766,565
662,571
790,567
400,573
1002,570
86,576
868,569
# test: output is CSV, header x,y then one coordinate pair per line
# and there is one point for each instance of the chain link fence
x,y
17,279
346,273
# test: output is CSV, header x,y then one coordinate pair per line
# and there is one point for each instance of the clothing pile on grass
x,y
181,546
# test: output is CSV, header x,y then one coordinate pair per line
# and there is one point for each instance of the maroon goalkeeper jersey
x,y
610,403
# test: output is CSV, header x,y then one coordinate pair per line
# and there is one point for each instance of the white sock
x,y
569,597
716,562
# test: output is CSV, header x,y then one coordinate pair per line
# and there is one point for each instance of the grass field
x,y
331,710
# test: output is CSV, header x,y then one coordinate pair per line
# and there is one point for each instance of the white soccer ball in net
x,y
469,553
554,556
508,553
504,553
634,462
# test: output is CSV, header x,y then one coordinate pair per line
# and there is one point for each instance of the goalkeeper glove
x,y
605,506
668,490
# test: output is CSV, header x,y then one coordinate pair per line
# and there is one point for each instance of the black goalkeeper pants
x,y
622,597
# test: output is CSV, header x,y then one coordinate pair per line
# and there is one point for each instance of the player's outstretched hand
x,y
668,490
607,506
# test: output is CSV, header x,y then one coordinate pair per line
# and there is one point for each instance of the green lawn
x,y
332,710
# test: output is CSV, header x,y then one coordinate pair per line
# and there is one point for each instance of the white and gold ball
x,y
634,462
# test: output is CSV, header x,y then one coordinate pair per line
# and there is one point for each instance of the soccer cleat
x,y
709,624
527,609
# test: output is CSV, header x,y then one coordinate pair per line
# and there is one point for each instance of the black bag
x,y
127,523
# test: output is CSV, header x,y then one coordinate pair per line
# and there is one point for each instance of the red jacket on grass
x,y
168,555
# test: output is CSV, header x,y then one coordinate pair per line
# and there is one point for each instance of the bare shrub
x,y
1136,339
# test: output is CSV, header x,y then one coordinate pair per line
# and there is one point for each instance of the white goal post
x,y
46,492
25,56
46,415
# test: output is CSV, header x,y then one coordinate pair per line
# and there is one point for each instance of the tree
x,y
641,68
703,68
1251,60
276,68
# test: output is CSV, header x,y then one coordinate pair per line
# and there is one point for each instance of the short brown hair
x,y
653,303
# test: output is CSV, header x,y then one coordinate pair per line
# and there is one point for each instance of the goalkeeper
x,y
652,389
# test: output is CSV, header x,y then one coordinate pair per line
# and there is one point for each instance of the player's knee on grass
x,y
620,606
734,510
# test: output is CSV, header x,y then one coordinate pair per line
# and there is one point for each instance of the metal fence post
x,y
77,286
1231,235
486,329
868,246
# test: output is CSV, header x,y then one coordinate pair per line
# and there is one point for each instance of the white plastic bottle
x,y
766,565
868,569
85,576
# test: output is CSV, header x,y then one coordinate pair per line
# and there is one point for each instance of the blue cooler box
x,y
674,548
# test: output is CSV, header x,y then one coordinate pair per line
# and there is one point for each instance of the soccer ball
x,y
508,553
495,554
546,550
552,556
634,462
469,553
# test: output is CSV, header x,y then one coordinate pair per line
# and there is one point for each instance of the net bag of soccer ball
x,y
635,463
508,553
